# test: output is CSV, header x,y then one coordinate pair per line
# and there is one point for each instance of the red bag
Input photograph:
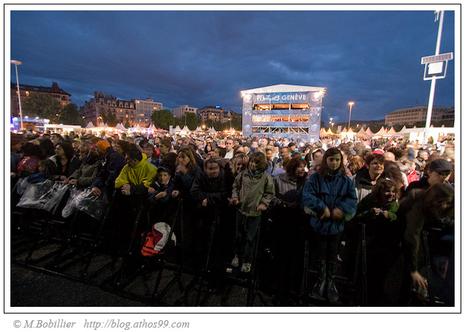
x,y
151,239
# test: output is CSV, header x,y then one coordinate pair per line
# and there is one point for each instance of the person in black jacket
x,y
112,163
437,171
431,210
289,228
186,171
378,211
210,192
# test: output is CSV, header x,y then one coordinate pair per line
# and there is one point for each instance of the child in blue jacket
x,y
329,197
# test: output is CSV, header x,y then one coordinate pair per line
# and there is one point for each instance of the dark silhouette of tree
x,y
43,106
163,119
109,118
70,115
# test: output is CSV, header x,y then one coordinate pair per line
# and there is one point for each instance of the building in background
x,y
128,112
25,91
181,111
282,110
211,113
417,116
144,110
103,106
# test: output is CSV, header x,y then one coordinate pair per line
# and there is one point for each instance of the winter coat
x,y
215,190
183,182
109,170
288,191
142,173
336,191
252,190
418,218
58,171
365,212
382,233
87,172
160,188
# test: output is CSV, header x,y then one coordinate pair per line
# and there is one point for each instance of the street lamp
x,y
17,63
350,103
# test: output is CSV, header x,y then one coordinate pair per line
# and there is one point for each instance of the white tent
x,y
90,125
368,132
120,126
391,132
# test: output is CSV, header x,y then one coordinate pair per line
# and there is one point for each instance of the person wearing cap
x,y
109,169
437,171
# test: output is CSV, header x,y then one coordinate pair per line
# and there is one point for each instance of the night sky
x,y
206,58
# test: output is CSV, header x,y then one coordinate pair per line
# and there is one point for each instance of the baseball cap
x,y
440,166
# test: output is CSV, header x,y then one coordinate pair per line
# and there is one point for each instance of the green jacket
x,y
251,190
143,173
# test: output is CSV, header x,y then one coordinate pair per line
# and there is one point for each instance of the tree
x,y
70,115
189,119
236,123
43,106
109,118
162,119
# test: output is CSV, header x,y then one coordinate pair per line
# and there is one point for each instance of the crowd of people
x,y
294,192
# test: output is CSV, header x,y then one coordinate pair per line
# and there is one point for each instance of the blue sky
x,y
207,57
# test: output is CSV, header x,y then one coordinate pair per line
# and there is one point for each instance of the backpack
x,y
156,239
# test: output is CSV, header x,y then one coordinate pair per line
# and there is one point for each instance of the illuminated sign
x,y
282,98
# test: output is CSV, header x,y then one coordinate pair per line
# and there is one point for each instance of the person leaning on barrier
x,y
111,164
84,176
252,192
378,211
210,191
329,197
288,229
137,175
430,209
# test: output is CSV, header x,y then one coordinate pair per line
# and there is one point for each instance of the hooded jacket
x,y
251,190
336,191
215,190
142,173
109,170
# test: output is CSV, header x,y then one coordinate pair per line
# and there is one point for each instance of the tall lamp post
x,y
351,104
17,63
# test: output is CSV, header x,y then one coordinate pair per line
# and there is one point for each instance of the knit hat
x,y
102,145
440,165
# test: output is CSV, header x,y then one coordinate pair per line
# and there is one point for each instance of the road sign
x,y
437,58
435,70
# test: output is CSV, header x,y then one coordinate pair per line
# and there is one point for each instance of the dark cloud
x,y
206,58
